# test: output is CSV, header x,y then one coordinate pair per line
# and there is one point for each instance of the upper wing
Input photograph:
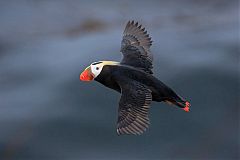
x,y
135,47
133,108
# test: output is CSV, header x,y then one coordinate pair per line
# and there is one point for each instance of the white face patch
x,y
96,68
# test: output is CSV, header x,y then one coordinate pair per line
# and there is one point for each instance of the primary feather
x,y
135,47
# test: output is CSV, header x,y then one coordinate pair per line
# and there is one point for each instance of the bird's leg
x,y
185,105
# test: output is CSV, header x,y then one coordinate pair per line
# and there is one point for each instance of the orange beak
x,y
86,75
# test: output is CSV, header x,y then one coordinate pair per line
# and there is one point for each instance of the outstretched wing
x,y
135,47
133,108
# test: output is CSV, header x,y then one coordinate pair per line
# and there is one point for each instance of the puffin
x,y
133,78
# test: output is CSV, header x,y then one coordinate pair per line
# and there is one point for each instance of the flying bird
x,y
134,79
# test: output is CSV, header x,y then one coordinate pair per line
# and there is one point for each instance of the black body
x,y
111,75
133,78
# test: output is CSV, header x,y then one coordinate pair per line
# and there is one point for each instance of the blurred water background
x,y
46,113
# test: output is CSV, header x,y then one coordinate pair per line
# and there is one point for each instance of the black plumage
x,y
135,47
138,89
133,78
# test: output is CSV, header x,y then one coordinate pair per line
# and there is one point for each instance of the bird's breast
x,y
107,79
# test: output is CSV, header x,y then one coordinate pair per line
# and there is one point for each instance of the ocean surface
x,y
46,113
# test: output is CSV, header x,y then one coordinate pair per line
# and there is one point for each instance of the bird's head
x,y
91,71
94,70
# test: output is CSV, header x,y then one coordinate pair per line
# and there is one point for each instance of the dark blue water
x,y
47,113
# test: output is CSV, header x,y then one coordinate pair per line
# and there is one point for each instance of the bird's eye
x,y
97,68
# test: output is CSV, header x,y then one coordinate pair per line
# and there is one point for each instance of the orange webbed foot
x,y
187,107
